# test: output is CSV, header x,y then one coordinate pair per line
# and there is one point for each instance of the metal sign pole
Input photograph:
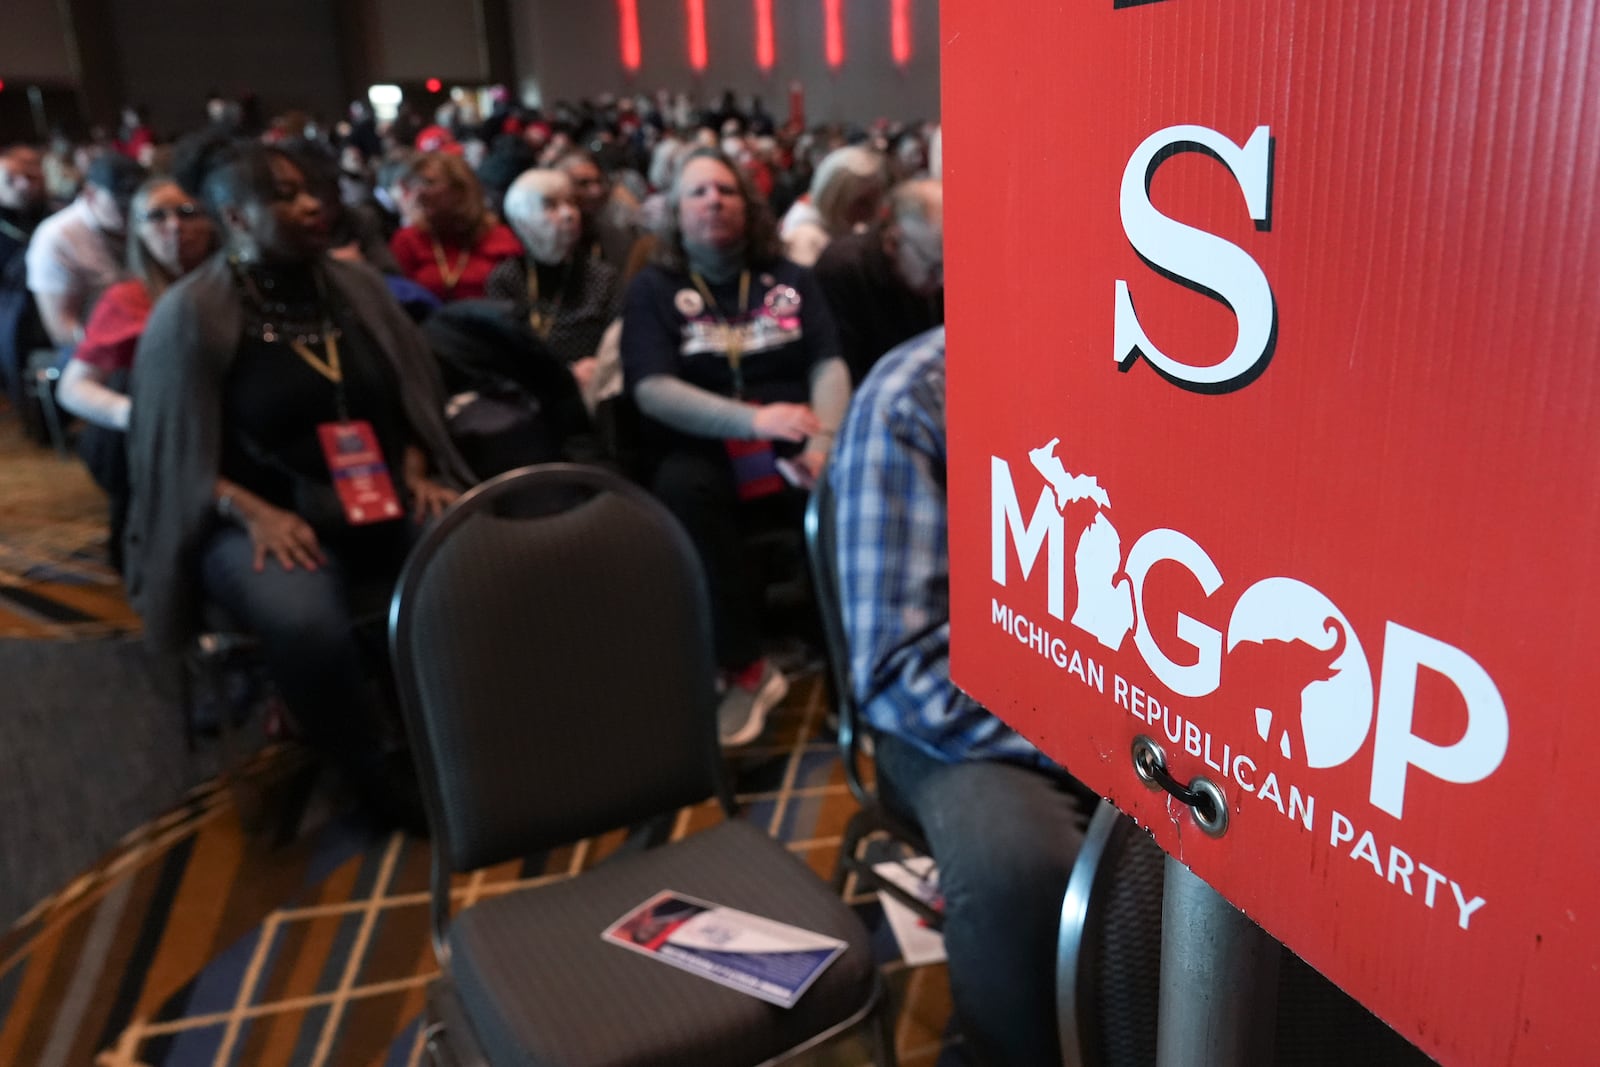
x,y
1219,979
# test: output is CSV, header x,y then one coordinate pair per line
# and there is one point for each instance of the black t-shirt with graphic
x,y
784,332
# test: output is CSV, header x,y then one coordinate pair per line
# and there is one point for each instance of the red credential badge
x,y
360,476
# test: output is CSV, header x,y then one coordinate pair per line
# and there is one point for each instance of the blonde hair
x,y
471,217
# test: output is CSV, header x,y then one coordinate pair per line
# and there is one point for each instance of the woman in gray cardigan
x,y
246,368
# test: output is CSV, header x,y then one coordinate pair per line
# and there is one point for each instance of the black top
x,y
579,296
273,400
873,307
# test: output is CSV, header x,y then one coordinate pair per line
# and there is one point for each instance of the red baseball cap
x,y
437,139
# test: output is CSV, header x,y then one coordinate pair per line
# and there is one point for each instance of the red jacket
x,y
435,264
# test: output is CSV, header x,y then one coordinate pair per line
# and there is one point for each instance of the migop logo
x,y
1335,712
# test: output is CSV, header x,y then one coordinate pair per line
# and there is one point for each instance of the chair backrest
x,y
1108,978
555,671
1108,959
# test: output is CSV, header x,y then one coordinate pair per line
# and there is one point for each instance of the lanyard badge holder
x,y
755,465
356,466
355,462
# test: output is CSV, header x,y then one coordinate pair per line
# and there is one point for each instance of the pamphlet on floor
x,y
919,943
766,959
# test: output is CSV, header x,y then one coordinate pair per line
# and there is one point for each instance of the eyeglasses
x,y
182,212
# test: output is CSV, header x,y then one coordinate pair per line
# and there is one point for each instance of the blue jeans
x,y
310,638
1005,838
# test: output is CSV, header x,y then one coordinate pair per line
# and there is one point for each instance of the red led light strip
x,y
628,19
697,34
900,31
833,32
766,50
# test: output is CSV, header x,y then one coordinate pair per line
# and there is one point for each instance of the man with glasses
x,y
886,285
78,252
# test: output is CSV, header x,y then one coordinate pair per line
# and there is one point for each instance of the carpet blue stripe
x,y
400,1048
310,1034
216,987
10,982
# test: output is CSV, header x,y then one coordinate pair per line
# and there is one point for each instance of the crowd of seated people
x,y
603,282
288,296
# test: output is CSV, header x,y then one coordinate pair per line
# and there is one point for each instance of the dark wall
x,y
317,54
172,52
421,39
33,44
570,50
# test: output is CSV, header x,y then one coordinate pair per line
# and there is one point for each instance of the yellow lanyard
x,y
732,338
450,277
329,368
540,322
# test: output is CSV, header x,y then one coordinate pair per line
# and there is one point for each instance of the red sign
x,y
1273,379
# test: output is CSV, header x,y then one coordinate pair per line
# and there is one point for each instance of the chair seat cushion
x,y
542,988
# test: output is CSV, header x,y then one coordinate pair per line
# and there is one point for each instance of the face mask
x,y
550,240
549,228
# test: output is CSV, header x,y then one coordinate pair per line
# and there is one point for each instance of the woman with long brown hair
x,y
451,241
730,352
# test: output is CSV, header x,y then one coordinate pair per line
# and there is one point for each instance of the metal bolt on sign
x,y
1203,797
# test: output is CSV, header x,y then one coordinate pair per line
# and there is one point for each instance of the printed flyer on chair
x,y
766,959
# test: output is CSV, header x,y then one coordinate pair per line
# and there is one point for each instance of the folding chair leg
x,y
883,1051
857,828
187,695
295,799
52,420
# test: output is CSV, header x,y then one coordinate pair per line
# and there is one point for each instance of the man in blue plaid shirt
x,y
1003,821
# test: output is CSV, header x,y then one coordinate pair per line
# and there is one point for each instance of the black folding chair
x,y
557,679
1108,976
879,813
1108,956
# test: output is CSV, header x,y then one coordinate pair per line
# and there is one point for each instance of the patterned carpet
x,y
255,925
198,943
54,581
